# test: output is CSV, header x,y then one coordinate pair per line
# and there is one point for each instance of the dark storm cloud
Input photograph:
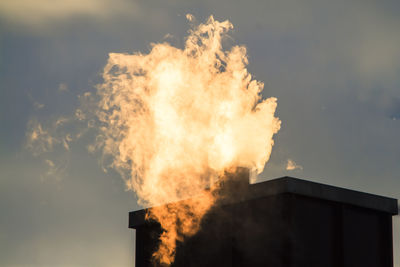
x,y
334,67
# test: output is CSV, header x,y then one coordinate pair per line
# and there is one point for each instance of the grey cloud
x,y
43,221
41,13
393,111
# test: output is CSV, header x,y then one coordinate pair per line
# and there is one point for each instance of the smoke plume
x,y
176,119
173,120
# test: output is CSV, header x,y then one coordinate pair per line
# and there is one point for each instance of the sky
x,y
334,67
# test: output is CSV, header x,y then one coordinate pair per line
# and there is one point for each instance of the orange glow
x,y
175,119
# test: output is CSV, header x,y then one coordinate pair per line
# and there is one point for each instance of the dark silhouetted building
x,y
282,222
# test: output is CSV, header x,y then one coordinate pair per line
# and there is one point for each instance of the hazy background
x,y
333,65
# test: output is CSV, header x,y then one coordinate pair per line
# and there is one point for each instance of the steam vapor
x,y
174,120
291,165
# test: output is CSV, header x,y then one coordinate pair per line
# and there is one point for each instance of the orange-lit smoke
x,y
175,119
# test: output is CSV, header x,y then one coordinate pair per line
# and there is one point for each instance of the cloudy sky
x,y
333,65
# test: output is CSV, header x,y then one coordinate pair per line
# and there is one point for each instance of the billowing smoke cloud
x,y
174,120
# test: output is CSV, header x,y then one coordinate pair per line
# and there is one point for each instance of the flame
x,y
175,119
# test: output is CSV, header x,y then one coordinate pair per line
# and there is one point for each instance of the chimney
x,y
285,222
